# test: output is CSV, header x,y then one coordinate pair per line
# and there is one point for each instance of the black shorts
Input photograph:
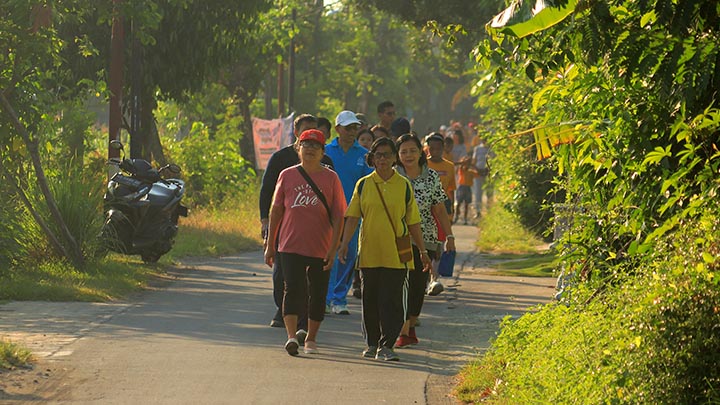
x,y
463,194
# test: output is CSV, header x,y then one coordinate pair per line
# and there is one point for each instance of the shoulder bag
x,y
404,247
317,191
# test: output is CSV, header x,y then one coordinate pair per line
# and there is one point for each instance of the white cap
x,y
346,118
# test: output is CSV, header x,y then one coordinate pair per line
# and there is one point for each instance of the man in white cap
x,y
349,160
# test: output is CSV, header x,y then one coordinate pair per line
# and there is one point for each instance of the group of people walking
x,y
327,210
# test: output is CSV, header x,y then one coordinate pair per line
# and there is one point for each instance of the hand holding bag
x,y
404,247
447,263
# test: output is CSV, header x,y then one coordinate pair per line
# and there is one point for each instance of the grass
x,y
106,280
477,382
531,265
231,228
502,234
13,356
228,229
513,250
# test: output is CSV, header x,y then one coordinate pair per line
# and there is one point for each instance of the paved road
x,y
205,339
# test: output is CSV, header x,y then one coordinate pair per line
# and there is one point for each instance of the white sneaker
x,y
291,346
300,335
340,310
435,288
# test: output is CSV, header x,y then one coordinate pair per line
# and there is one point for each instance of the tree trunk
x,y
74,254
153,146
247,144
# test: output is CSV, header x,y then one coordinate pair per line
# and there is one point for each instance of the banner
x,y
269,136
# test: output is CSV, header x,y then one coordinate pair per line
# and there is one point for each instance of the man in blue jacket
x,y
349,160
279,161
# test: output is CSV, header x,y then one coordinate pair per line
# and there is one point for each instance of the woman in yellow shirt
x,y
382,273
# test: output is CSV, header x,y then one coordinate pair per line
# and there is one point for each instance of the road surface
x,y
204,338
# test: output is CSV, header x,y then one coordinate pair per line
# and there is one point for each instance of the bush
x,y
78,196
649,338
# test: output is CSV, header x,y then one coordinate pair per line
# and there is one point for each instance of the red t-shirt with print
x,y
305,228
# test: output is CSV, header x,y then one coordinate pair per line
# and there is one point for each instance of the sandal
x,y
310,347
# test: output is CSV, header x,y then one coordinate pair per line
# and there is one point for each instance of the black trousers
x,y
279,292
306,286
383,304
417,283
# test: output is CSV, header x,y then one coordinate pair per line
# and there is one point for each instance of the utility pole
x,y
117,61
280,93
291,68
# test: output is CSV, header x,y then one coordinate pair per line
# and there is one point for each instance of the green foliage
x,y
639,325
501,232
643,153
526,187
652,338
79,199
203,136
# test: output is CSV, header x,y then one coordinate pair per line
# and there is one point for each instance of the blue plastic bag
x,y
447,263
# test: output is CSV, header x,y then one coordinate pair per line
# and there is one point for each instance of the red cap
x,y
312,135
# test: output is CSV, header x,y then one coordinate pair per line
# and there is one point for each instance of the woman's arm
x,y
416,234
441,215
334,244
276,214
351,224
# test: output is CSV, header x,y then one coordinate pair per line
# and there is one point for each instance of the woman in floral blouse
x,y
430,199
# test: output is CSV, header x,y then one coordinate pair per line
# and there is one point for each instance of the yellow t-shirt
x,y
377,239
446,170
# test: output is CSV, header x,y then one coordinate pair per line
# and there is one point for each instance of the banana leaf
x,y
525,17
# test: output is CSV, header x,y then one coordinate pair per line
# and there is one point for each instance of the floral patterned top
x,y
428,192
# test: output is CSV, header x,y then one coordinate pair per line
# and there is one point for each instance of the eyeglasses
x,y
311,145
352,127
391,113
382,155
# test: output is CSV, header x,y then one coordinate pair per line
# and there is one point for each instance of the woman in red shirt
x,y
304,206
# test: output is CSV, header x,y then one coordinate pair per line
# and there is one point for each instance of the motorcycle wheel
x,y
150,257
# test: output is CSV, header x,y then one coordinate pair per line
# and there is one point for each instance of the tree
x,y
638,80
183,46
30,90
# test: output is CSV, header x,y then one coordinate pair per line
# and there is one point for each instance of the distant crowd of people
x,y
371,211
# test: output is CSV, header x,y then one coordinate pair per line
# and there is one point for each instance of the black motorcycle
x,y
141,208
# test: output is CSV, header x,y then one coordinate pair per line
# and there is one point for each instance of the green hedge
x,y
651,338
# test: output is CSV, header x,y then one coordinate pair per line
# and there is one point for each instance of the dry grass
x,y
230,228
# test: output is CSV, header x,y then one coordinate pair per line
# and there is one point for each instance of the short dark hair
x,y
412,138
304,118
324,122
378,128
384,105
365,130
376,144
434,136
400,126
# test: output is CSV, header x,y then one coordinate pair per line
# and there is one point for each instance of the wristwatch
x,y
450,236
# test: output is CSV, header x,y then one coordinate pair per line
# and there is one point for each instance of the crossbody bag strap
x,y
386,208
317,191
